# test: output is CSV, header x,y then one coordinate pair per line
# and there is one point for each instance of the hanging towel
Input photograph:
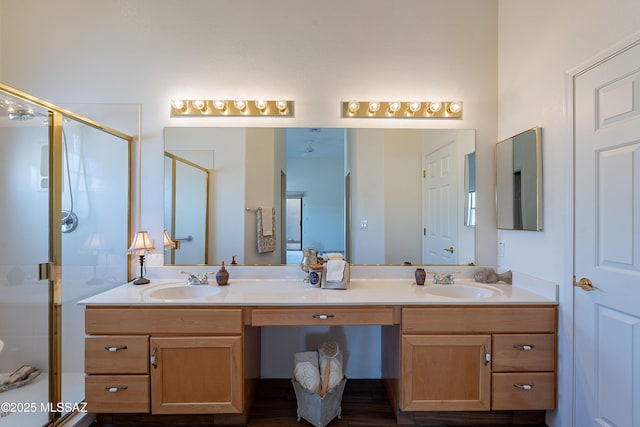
x,y
335,270
267,220
266,243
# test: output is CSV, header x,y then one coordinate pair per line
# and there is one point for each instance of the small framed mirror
x,y
519,181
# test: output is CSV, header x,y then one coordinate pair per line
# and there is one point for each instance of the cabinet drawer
x,y
116,355
321,316
117,393
524,352
528,390
150,320
501,319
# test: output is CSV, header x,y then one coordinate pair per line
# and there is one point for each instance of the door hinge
x,y
424,173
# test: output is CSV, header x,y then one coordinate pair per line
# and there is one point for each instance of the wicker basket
x,y
319,411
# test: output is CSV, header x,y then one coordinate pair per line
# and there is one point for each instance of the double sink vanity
x,y
172,348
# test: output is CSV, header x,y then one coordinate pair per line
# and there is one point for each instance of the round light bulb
x,y
240,104
455,107
220,105
281,106
414,106
261,104
198,104
354,106
434,107
394,107
177,104
374,107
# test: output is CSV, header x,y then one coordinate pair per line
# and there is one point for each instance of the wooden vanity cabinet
x,y
117,369
445,372
478,358
184,361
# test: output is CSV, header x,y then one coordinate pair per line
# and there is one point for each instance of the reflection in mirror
x,y
519,182
186,204
379,196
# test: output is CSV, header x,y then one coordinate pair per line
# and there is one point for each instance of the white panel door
x,y
440,206
607,243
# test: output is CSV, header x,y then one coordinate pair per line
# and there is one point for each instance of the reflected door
x,y
186,210
440,206
607,243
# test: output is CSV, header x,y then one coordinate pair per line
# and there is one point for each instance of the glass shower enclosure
x,y
65,192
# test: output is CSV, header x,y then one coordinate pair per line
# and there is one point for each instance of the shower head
x,y
21,114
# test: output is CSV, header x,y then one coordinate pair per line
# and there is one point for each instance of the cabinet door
x,y
196,375
446,372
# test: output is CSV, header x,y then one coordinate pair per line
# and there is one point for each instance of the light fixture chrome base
x,y
69,221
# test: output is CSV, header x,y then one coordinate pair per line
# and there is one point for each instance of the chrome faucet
x,y
195,280
443,278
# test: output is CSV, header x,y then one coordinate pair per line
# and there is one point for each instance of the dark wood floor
x,y
364,404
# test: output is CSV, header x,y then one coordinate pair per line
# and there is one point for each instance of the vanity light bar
x,y
226,107
403,110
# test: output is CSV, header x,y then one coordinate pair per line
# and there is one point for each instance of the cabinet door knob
x,y
111,389
525,347
113,349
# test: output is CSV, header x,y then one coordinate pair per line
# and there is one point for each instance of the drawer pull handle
x,y
523,386
527,347
322,316
114,349
115,389
487,355
153,357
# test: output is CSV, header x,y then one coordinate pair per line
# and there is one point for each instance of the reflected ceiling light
x,y
225,107
409,109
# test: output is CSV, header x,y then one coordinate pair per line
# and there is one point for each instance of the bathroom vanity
x,y
168,348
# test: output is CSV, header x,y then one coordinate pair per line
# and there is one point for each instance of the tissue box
x,y
335,284
317,410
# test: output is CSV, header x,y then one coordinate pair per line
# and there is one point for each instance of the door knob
x,y
584,284
450,249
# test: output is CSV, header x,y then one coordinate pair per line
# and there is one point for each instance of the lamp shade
x,y
141,243
168,243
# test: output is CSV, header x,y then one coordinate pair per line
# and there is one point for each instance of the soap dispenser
x,y
222,276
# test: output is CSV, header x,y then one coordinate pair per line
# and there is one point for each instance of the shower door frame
x,y
52,269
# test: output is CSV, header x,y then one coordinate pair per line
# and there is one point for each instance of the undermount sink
x,y
462,291
180,292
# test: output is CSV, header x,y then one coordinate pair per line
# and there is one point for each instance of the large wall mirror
x,y
378,196
519,181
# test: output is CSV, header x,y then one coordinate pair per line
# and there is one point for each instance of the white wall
x,y
316,53
539,43
321,180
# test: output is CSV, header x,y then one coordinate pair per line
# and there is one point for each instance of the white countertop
x,y
293,292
